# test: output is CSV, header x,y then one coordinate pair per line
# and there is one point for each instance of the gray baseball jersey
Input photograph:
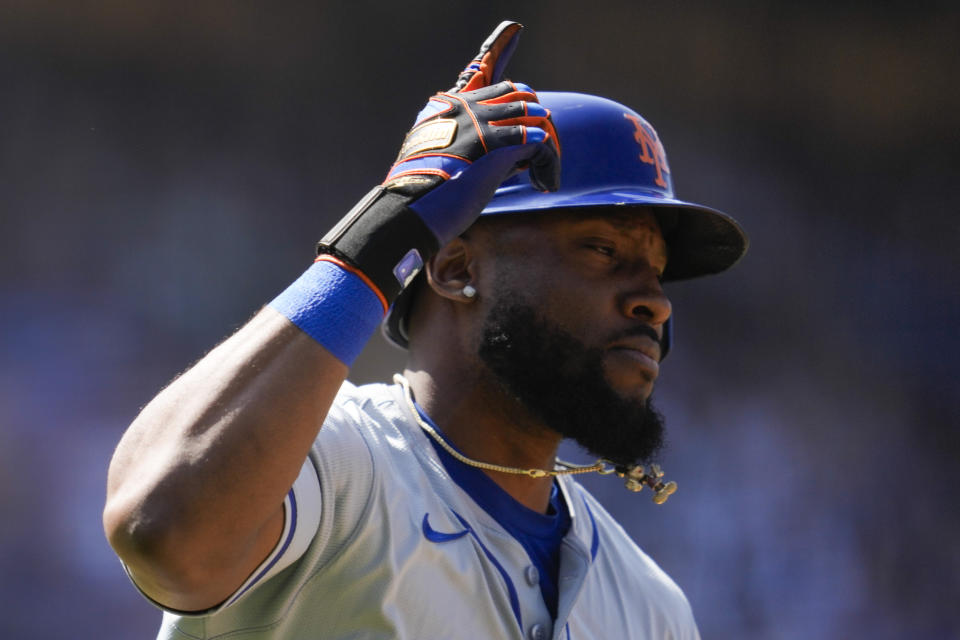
x,y
379,542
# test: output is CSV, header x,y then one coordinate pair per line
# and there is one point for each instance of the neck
x,y
488,426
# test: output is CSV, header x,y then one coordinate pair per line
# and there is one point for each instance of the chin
x,y
633,392
630,385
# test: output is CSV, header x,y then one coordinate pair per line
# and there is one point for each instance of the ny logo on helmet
x,y
651,149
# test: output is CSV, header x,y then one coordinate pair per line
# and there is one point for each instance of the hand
x,y
465,142
468,140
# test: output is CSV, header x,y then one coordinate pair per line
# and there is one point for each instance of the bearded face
x,y
562,381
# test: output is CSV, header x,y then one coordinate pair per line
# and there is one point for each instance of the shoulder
x,y
360,398
372,430
357,431
365,405
364,446
359,413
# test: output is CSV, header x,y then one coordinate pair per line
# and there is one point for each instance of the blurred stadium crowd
x,y
165,169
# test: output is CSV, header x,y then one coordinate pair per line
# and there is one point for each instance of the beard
x,y
561,381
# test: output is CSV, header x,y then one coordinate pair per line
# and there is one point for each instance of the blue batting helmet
x,y
612,157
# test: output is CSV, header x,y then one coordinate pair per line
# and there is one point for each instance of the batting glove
x,y
464,143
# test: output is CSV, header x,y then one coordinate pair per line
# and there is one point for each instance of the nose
x,y
643,298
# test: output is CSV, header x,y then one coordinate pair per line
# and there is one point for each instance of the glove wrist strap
x,y
383,238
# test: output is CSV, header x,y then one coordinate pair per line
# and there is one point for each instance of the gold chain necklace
x,y
635,477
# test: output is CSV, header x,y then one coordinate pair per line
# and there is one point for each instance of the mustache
x,y
637,330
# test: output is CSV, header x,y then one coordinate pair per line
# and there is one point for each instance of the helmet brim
x,y
700,240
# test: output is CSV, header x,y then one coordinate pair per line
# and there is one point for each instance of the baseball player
x,y
517,248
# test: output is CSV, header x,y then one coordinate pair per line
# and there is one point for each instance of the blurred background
x,y
166,167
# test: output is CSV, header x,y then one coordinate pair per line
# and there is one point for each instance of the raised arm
x,y
196,486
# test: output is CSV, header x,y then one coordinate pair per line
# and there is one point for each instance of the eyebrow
x,y
626,222
623,221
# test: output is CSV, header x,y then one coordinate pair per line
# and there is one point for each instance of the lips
x,y
643,344
640,350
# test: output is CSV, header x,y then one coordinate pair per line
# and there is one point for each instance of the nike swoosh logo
x,y
433,535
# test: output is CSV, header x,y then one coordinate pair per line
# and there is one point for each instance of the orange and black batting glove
x,y
463,144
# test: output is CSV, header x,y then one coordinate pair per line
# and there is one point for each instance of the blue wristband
x,y
333,306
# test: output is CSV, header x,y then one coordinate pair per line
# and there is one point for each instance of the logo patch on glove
x,y
436,134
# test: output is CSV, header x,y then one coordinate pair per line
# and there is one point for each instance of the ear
x,y
451,269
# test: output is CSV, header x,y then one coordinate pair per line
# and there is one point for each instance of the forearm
x,y
198,480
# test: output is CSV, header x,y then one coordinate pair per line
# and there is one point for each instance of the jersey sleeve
x,y
301,509
327,505
301,518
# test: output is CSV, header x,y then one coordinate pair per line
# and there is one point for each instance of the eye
x,y
602,247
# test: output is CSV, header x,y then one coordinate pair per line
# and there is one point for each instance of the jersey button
x,y
537,632
532,576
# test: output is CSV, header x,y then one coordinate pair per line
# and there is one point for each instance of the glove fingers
x,y
502,50
487,67
536,134
545,168
513,96
522,101
519,131
518,109
491,92
519,86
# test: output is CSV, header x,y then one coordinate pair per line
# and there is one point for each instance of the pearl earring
x,y
468,291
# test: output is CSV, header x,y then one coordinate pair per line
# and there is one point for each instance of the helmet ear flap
x,y
666,340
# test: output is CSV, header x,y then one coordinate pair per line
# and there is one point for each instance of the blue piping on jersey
x,y
433,535
283,548
514,600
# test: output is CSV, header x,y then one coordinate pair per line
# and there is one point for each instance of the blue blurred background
x,y
166,167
